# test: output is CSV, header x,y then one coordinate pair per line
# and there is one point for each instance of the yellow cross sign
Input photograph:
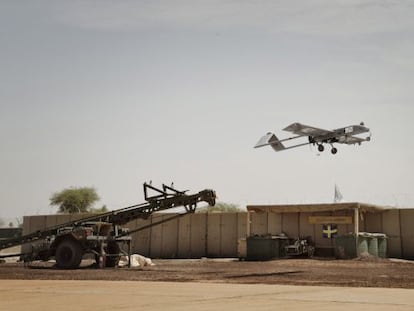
x,y
329,231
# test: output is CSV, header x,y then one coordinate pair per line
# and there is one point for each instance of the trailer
x,y
300,247
103,235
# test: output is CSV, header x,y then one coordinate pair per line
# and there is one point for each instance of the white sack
x,y
137,261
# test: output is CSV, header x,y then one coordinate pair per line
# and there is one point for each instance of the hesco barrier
x,y
364,244
266,247
9,233
382,247
347,247
216,234
373,246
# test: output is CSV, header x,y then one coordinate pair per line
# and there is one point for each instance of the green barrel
x,y
373,246
382,245
362,244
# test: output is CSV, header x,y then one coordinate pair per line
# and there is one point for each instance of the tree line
x,y
81,200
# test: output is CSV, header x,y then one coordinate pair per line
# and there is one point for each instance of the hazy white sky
x,y
111,94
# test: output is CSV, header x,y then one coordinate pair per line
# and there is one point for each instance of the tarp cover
x,y
137,261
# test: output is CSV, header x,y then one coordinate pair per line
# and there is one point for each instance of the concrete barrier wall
x,y
216,234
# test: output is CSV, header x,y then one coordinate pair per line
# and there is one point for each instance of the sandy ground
x,y
355,273
129,295
212,284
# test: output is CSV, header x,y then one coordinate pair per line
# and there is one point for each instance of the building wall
x,y
216,234
407,233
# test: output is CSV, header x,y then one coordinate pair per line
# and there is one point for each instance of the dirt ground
x,y
387,273
41,295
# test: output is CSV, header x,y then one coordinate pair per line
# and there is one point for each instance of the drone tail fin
x,y
272,140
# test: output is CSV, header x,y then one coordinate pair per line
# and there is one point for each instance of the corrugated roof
x,y
322,207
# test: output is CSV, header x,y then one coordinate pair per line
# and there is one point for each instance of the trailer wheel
x,y
68,254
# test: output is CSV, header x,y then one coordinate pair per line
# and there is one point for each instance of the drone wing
x,y
351,140
306,130
272,140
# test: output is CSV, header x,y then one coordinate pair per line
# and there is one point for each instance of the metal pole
x,y
356,220
129,253
248,225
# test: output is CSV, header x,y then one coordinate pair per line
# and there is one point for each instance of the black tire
x,y
68,254
334,150
321,148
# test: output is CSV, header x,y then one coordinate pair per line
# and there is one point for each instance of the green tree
x,y
75,200
103,209
221,207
